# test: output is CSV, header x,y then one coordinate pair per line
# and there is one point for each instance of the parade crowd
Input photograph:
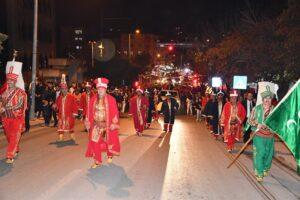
x,y
227,114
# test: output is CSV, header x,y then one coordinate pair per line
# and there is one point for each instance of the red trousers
x,y
156,116
13,130
95,150
137,125
232,136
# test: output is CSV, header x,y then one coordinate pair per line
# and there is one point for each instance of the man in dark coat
x,y
46,105
151,108
211,113
248,105
169,108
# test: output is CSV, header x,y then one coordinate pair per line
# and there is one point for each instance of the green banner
x,y
285,121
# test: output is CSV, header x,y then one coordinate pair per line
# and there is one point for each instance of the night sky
x,y
158,16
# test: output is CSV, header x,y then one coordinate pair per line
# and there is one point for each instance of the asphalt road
x,y
184,165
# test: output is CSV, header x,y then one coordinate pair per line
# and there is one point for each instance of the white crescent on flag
x,y
290,122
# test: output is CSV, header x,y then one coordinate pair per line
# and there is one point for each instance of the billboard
x,y
240,82
216,82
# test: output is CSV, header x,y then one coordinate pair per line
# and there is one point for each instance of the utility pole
x,y
92,45
93,64
34,57
129,47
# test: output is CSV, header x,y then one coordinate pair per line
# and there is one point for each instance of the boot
x,y
72,135
109,160
95,165
266,173
170,128
259,179
9,160
165,128
60,137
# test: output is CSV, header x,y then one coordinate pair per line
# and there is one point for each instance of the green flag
x,y
285,121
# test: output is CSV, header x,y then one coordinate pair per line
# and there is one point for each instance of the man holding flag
x,y
285,121
263,141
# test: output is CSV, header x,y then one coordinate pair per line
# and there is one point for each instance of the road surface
x,y
188,164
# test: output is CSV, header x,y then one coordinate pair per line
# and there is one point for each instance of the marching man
x,y
263,141
13,103
151,108
103,125
232,118
169,109
85,101
67,111
138,108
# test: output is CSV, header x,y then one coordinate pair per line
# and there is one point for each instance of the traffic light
x,y
195,82
170,48
136,84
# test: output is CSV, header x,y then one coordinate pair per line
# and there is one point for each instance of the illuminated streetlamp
x,y
101,47
137,32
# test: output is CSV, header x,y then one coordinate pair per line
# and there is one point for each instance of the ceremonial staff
x,y
241,150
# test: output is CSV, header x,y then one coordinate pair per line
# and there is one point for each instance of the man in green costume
x,y
263,141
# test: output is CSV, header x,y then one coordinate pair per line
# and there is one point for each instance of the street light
x,y
170,48
101,47
137,32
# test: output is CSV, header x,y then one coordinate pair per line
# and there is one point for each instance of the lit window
x,y
78,31
125,52
76,38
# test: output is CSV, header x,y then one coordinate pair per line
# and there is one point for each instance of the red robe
x,y
110,143
204,102
139,114
15,104
84,102
225,120
2,90
77,100
66,109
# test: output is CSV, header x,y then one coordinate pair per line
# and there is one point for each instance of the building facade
x,y
133,46
17,22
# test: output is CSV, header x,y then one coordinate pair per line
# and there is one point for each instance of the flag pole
x,y
241,150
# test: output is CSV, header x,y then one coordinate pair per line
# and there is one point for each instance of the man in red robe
x,y
103,125
232,119
138,108
85,101
13,103
67,109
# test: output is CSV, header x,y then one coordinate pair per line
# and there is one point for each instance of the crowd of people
x,y
225,113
